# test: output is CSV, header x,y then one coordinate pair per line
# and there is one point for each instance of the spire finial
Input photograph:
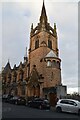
x,y
8,65
55,33
32,26
25,57
8,60
43,1
54,25
43,13
26,52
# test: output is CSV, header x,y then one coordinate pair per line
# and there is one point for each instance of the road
x,y
15,111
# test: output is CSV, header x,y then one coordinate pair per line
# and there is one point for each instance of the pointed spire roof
x,y
43,24
51,54
7,67
43,14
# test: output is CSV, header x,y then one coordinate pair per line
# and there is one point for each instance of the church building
x,y
40,73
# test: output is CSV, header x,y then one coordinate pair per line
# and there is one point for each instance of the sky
x,y
16,17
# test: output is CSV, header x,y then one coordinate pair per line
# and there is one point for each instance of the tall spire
x,y
43,24
43,16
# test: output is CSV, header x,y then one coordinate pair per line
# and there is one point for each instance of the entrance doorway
x,y
53,99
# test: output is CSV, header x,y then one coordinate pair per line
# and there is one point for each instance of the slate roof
x,y
51,54
7,67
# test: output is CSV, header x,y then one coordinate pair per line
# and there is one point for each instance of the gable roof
x,y
51,54
7,67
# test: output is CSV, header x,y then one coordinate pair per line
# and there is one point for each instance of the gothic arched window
x,y
37,44
50,44
21,75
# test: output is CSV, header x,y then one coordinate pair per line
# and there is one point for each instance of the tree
x,y
74,95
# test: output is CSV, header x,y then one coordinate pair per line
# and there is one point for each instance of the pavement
x,y
53,108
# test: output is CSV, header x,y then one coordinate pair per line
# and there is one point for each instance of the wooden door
x,y
52,99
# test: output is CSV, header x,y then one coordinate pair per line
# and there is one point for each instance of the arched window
x,y
50,44
58,64
21,75
53,63
48,63
37,44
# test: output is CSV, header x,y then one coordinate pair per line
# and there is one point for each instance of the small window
x,y
21,76
48,63
50,44
37,44
58,64
53,63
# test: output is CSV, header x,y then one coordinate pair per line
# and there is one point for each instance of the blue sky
x,y
17,17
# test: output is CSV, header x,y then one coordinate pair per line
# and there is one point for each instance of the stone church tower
x,y
40,73
44,57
